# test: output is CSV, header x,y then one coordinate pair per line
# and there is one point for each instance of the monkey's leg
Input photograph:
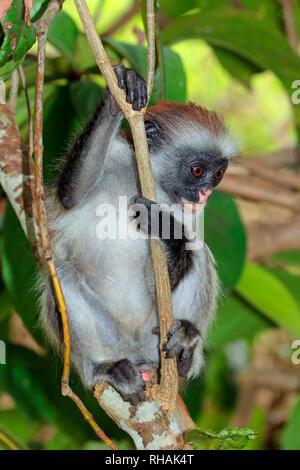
x,y
85,162
98,346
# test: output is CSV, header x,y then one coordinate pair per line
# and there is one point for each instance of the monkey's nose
x,y
204,195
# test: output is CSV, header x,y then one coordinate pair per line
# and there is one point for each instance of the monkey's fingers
x,y
120,72
182,337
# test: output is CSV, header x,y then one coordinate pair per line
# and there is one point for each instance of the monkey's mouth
x,y
203,196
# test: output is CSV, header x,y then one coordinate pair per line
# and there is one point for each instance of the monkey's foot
x,y
126,379
133,85
182,339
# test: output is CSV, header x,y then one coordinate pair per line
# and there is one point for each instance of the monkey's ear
x,y
153,132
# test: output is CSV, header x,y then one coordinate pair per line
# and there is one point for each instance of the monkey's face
x,y
189,159
194,176
198,173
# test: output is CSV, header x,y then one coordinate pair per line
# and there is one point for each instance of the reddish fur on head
x,y
175,114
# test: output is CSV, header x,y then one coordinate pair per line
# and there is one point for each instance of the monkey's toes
x,y
128,381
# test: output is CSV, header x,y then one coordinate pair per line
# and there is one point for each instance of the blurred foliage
x,y
233,59
227,439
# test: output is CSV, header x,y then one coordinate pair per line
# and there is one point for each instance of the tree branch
x,y
281,177
266,239
259,190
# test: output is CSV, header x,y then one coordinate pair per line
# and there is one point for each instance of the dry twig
x,y
281,177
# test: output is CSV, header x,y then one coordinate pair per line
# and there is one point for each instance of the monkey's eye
x,y
219,174
197,170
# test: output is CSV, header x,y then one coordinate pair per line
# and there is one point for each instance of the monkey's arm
x,y
159,224
85,161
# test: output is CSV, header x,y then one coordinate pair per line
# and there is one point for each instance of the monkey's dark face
x,y
195,176
188,172
198,173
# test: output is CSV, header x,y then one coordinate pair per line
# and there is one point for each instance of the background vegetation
x,y
232,56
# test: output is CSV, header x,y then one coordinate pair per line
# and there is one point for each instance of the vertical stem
x,y
2,92
166,391
23,79
161,63
13,95
151,46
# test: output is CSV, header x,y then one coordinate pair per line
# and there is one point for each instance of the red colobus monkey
x,y
108,284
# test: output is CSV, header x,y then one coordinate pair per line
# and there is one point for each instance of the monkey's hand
x,y
182,338
155,221
133,85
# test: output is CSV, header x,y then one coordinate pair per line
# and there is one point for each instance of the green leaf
x,y
18,37
231,30
237,66
290,438
174,9
267,10
267,294
85,97
38,8
176,84
61,122
6,305
290,281
22,378
225,235
63,34
8,68
235,319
